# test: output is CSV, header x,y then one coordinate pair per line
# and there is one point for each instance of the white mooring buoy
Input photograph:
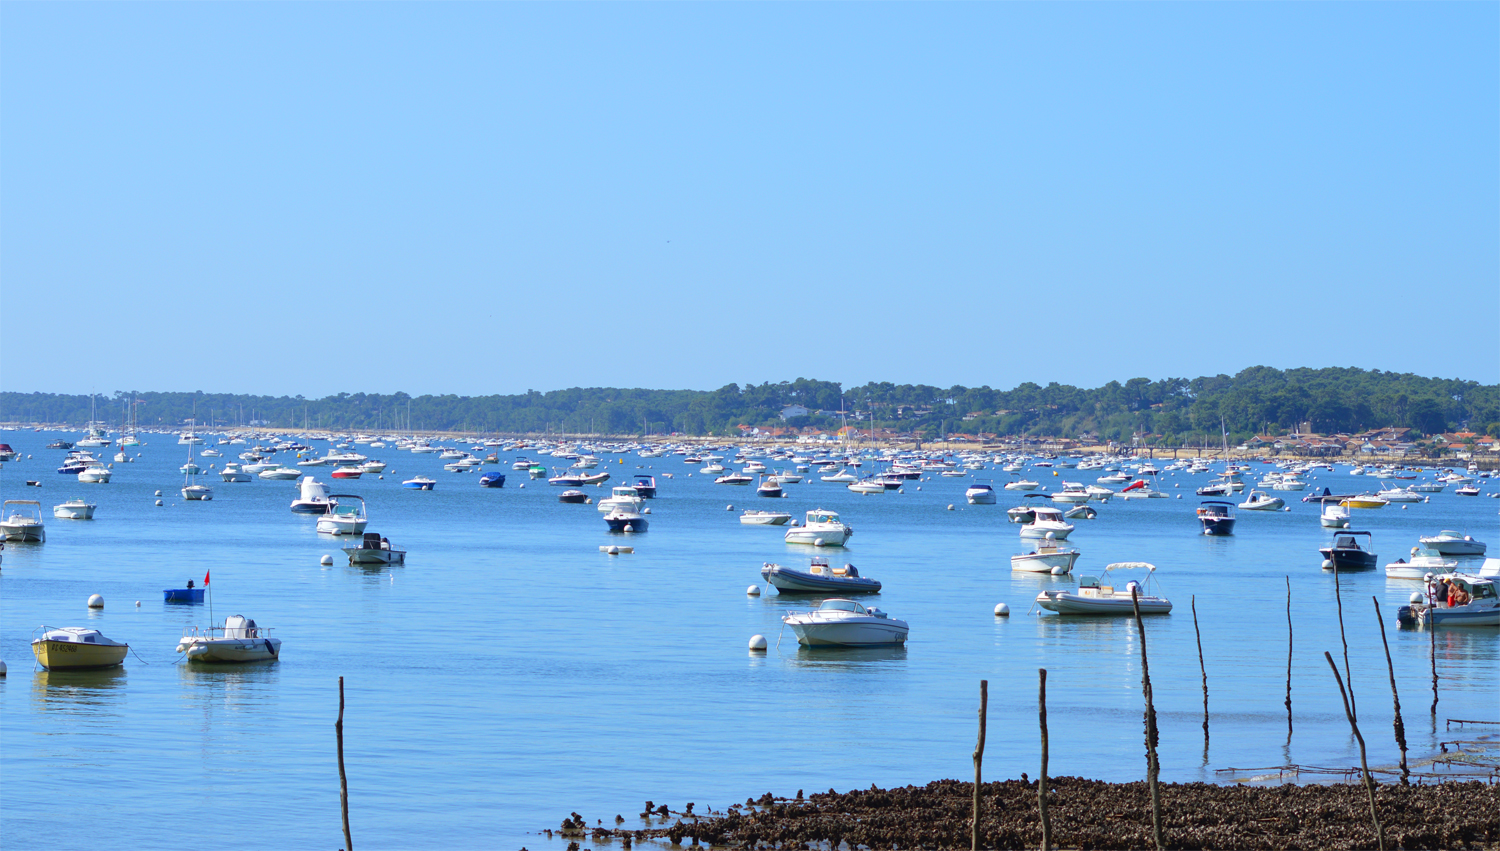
x,y
158,493
96,602
757,644
1002,610
817,542
158,503
753,591
326,560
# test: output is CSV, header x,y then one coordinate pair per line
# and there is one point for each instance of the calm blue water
x,y
510,673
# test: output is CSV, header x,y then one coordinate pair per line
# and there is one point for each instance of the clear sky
x,y
476,198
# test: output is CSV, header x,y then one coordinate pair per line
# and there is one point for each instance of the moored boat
x,y
374,549
846,623
819,578
76,648
1345,553
22,521
74,509
1093,598
821,528
239,640
1451,543
1217,517
765,518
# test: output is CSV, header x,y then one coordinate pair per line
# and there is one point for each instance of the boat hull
x,y
790,581
1347,560
34,533
1217,525
72,656
359,555
1069,603
1442,616
852,632
765,519
830,536
222,651
1056,564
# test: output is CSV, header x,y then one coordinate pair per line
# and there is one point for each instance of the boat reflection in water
x,y
846,658
98,693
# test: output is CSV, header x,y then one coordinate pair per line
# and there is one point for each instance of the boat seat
x,y
839,571
1106,589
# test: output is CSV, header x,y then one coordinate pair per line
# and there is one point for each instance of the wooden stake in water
x,y
1339,599
1041,786
1395,698
1432,654
1152,766
338,728
1289,659
984,700
1363,765
1203,670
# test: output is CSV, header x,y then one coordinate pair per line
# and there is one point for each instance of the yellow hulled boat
x,y
76,648
1365,500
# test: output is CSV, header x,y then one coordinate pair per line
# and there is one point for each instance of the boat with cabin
x,y
76,648
765,518
1046,557
312,497
239,640
1451,543
821,528
846,623
1478,605
22,521
76,508
373,549
345,515
1217,517
980,494
1346,554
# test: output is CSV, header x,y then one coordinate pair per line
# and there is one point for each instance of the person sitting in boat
x,y
385,543
851,571
190,584
1457,596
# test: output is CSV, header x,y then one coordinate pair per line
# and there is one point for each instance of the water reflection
x,y
96,692
845,658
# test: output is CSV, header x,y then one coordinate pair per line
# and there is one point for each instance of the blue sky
x,y
483,198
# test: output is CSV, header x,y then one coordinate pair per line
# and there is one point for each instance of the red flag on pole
x,y
205,577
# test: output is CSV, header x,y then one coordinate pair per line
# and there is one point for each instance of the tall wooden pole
x,y
1289,659
1152,767
1395,698
1339,599
1201,668
984,701
338,727
1041,786
1363,765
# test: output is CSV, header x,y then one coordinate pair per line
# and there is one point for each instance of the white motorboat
x,y
867,486
1093,598
734,479
765,518
819,578
1022,485
373,549
96,473
280,474
784,478
1423,562
1479,605
1046,521
1427,487
624,496
1099,493
1139,489
345,515
769,488
312,497
1259,500
1335,515
1218,487
822,528
1115,478
625,520
713,469
1451,543
1081,512
1288,482
979,494
1399,495
372,466
1466,490
233,472
841,477
1047,557
846,623
74,509
238,640
198,493
1364,500
1072,493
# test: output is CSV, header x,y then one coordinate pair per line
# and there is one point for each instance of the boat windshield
x,y
841,606
1347,543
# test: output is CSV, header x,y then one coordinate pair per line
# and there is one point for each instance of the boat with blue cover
x,y
182,595
492,479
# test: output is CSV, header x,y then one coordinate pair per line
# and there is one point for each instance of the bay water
x,y
510,673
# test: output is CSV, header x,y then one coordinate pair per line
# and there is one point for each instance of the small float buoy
x,y
96,602
757,643
523,485
137,604
728,508
817,542
753,591
1403,508
629,528
158,503
382,478
950,506
588,500
2,663
1288,508
1328,564
158,493
326,560
645,511
1416,597
1002,610
614,551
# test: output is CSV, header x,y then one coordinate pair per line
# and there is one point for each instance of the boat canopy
x,y
841,606
1131,565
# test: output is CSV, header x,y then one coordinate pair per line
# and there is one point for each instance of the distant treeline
x,y
1173,411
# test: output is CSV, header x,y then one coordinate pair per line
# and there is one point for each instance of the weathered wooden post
x,y
984,700
1042,783
1339,600
1395,698
338,728
1201,668
1152,767
1363,765
1289,659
